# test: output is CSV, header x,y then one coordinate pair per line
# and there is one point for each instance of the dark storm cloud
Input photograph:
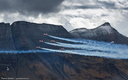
x,y
82,7
86,7
97,4
107,4
30,6
110,5
104,15
126,8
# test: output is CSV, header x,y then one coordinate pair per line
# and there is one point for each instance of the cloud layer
x,y
30,6
69,13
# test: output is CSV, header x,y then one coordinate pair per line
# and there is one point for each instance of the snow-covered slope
x,y
104,32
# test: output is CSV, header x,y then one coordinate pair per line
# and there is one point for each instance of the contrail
x,y
93,46
66,39
86,53
82,47
88,42
110,49
25,51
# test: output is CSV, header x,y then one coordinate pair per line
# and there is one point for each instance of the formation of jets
x,y
52,41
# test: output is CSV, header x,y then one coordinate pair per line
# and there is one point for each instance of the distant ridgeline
x,y
23,35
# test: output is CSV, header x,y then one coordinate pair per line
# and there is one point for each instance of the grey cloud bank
x,y
69,13
30,6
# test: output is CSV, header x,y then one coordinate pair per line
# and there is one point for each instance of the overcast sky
x,y
69,13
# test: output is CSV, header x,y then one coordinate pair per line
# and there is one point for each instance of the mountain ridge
x,y
23,35
104,32
26,35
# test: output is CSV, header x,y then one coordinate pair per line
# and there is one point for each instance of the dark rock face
x,y
26,35
6,41
57,66
23,35
102,33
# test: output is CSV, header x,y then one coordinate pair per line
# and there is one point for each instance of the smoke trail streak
x,y
87,48
75,46
85,53
88,42
65,39
113,48
99,44
25,51
110,49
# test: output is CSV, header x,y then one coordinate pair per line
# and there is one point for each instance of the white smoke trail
x,y
110,49
66,39
25,51
86,41
86,53
87,48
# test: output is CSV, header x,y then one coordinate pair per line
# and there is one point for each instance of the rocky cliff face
x,y
104,32
6,41
57,66
26,35
23,35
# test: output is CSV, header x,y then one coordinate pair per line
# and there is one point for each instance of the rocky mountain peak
x,y
104,32
106,27
106,24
